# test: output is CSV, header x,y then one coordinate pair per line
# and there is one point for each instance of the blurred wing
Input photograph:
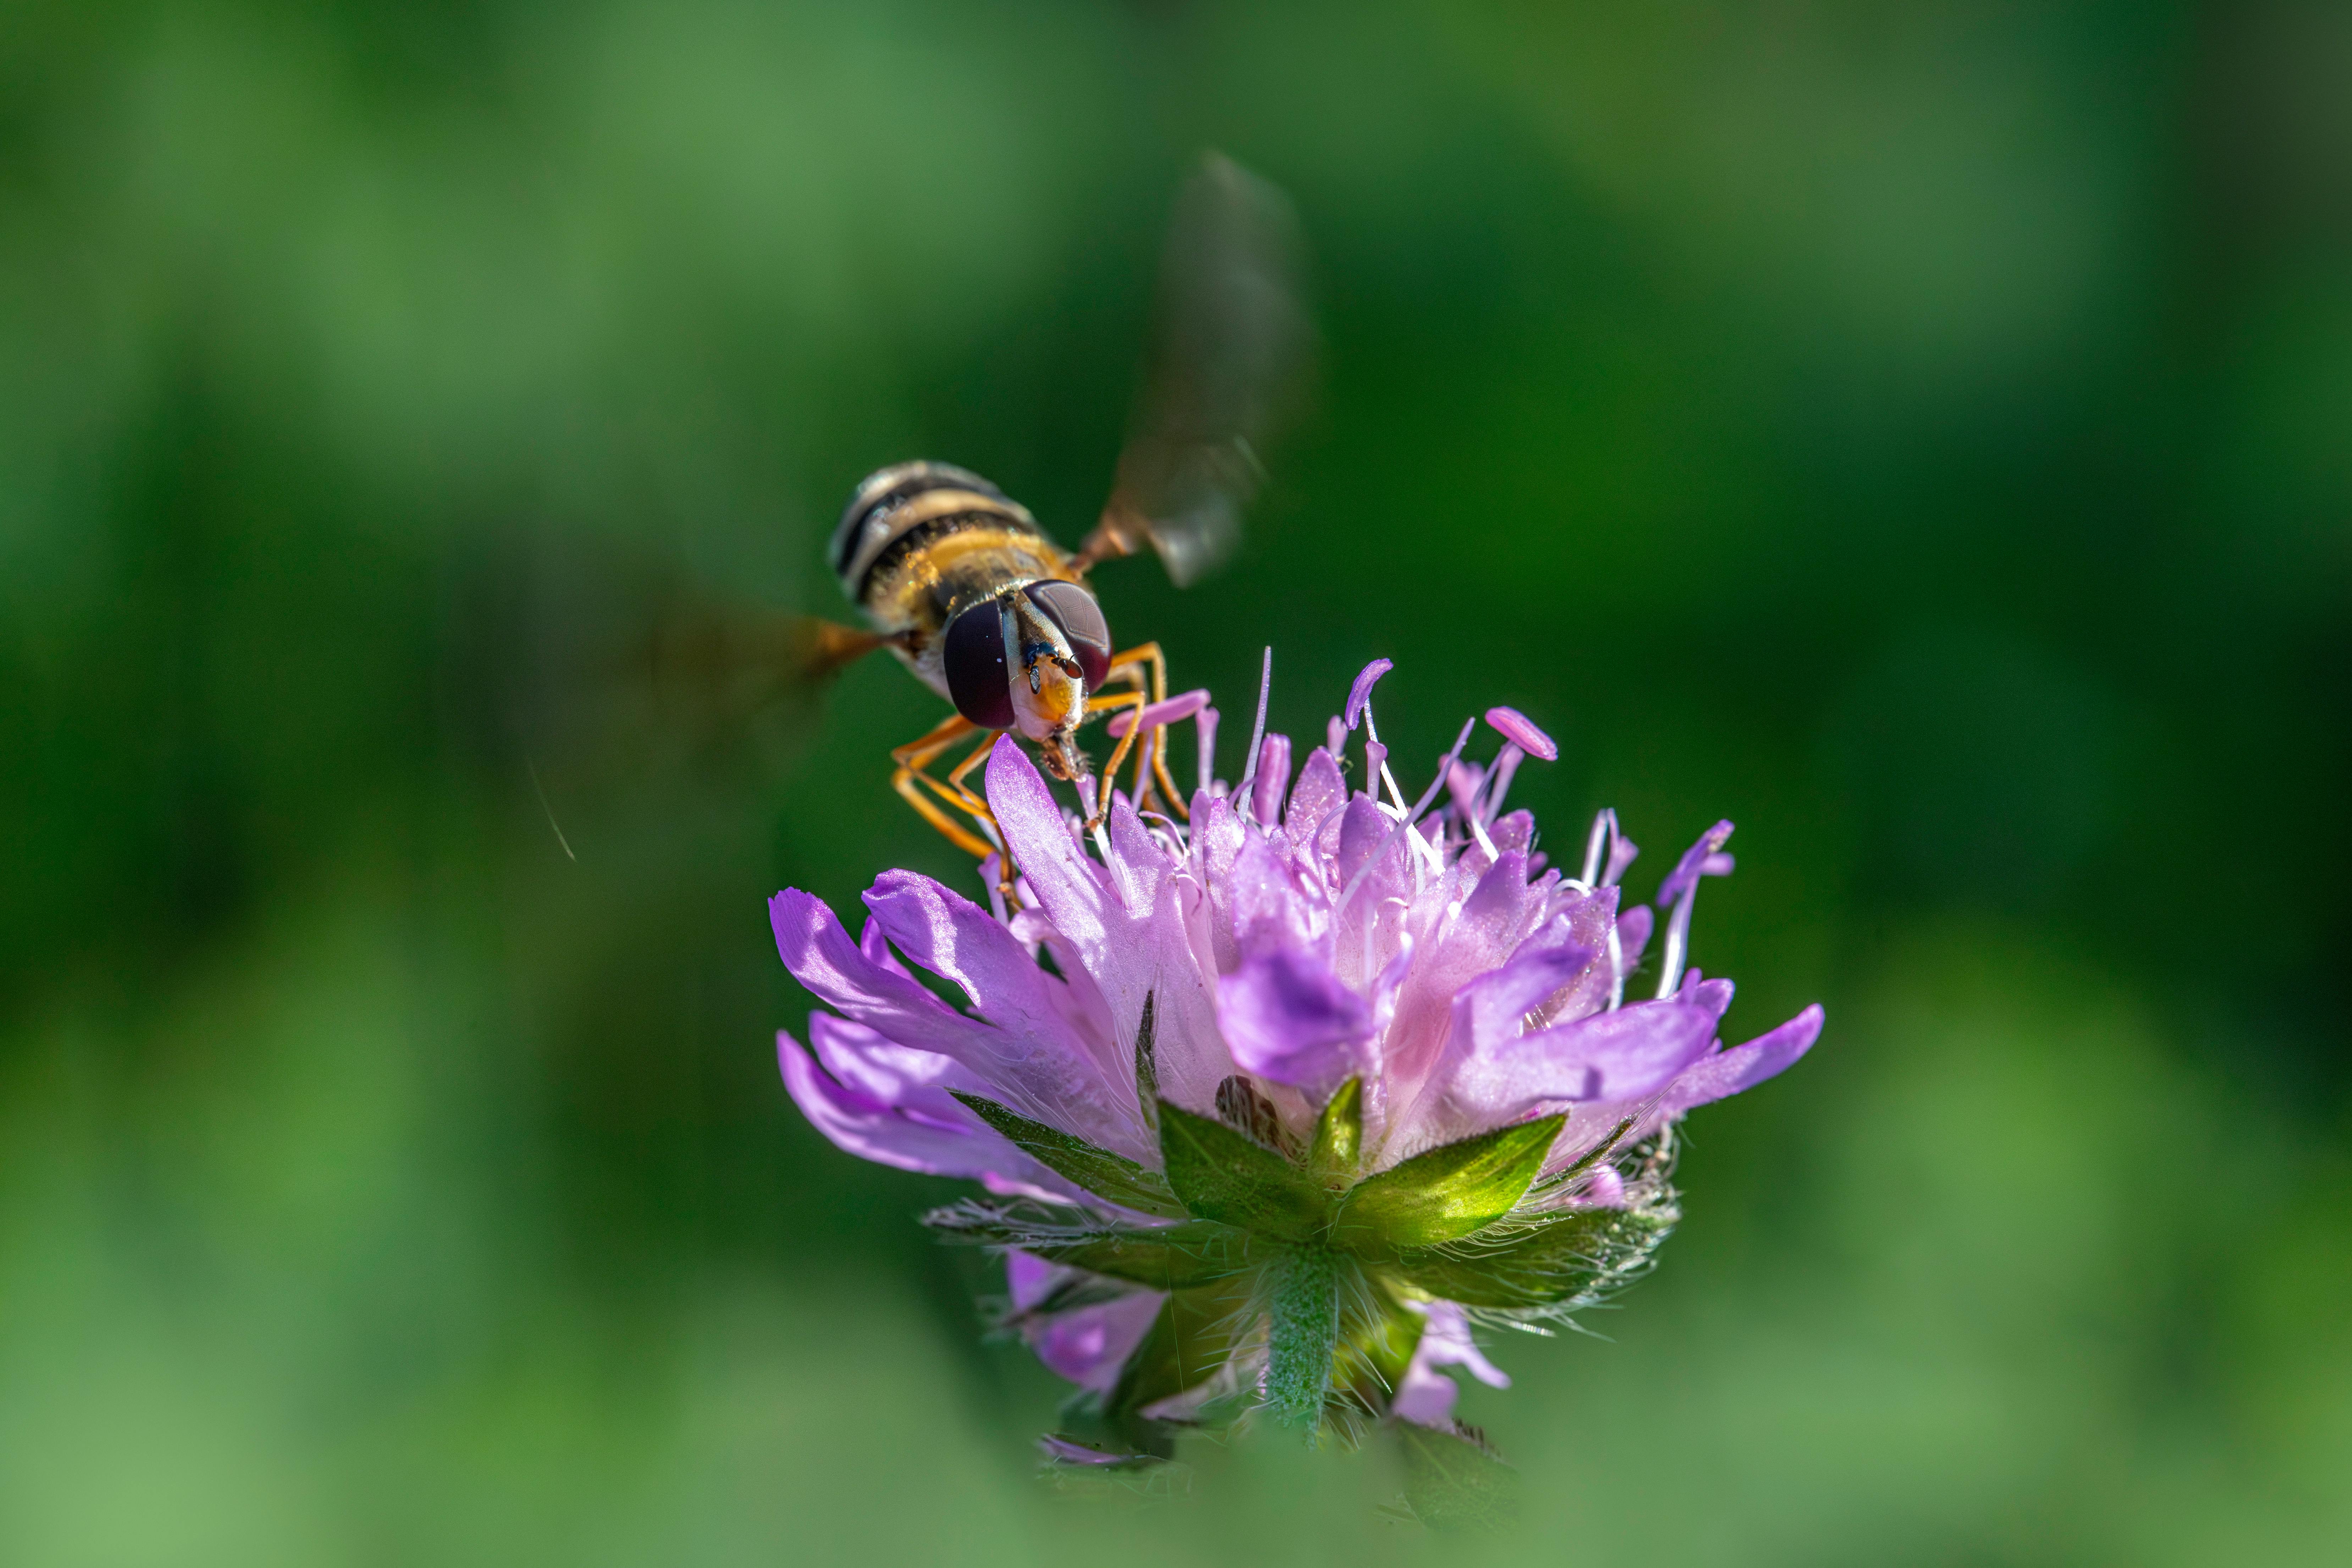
x,y
713,666
1230,348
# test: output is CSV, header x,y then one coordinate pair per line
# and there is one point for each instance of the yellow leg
x,y
911,780
980,753
1132,672
1132,661
1137,699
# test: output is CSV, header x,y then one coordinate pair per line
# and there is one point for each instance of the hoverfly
x,y
961,583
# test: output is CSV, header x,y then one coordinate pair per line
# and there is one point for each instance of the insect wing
x,y
1230,349
713,665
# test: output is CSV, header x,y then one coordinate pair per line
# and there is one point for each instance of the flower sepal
x,y
1283,1270
1165,1258
1112,1177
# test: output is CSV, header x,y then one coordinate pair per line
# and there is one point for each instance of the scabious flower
x,y
1278,1105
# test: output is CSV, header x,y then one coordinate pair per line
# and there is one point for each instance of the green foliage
x,y
1455,1480
1377,1335
1147,1062
1221,1174
1099,1171
1340,1135
1548,1263
1584,1162
1189,1342
1303,1302
1168,1258
1446,1193
1178,1258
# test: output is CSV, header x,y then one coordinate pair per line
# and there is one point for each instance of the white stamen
x,y
1478,831
1431,856
1205,724
1677,941
1604,828
1257,732
1419,807
1372,738
1498,782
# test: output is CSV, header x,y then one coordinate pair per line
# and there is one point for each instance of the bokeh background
x,y
1919,432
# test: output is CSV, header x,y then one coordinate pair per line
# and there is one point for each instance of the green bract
x,y
1289,1262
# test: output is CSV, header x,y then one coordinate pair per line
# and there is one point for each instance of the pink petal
x,y
957,939
1088,1345
1045,1078
1288,1018
1422,1395
1727,1073
1131,952
1633,935
1609,1057
1322,789
875,1131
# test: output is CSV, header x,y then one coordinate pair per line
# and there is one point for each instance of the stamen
x,y
991,872
1396,796
1468,783
1479,832
1498,782
1360,693
1604,833
1419,807
1702,860
1175,710
1670,974
1258,730
1205,725
1274,777
1515,726
1431,856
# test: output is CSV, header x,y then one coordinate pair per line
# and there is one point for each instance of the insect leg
x,y
1149,653
909,778
980,754
1005,871
1137,699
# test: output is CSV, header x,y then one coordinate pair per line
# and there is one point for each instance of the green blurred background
x,y
1921,432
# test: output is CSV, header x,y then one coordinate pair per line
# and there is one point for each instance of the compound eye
x,y
1073,609
972,657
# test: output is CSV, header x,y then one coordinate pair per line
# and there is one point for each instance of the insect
x,y
961,583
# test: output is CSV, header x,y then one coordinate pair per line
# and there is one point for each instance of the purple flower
x,y
1276,1103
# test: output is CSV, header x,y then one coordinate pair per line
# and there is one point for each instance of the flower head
x,y
1316,1082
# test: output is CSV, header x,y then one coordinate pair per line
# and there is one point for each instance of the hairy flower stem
x,y
1303,1294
